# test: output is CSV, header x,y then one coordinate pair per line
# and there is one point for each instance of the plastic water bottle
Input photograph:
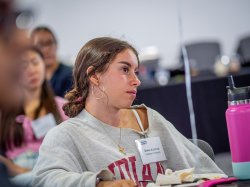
x,y
238,126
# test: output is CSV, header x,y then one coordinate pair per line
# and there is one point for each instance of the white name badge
x,y
42,125
150,150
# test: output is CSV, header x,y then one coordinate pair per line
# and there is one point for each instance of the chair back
x,y
243,50
205,147
202,55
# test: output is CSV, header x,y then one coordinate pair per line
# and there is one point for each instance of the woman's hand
x,y
116,183
13,169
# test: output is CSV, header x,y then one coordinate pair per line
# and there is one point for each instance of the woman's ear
x,y
93,78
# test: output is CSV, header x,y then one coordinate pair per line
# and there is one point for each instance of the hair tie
x,y
20,119
79,100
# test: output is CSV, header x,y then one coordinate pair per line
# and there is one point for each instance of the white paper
x,y
42,125
150,150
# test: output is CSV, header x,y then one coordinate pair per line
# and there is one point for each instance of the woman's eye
x,y
35,62
125,69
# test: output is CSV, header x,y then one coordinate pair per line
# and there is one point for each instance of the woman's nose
x,y
30,69
135,80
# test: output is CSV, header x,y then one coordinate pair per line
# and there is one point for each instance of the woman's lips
x,y
132,92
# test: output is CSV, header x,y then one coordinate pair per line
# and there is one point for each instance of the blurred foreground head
x,y
12,40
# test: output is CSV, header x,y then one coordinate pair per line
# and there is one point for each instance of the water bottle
x,y
238,126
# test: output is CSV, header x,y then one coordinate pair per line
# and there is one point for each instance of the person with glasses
x,y
59,74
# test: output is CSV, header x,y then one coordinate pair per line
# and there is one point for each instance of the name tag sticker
x,y
150,150
42,125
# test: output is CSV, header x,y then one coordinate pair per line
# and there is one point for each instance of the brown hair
x,y
11,130
98,52
43,29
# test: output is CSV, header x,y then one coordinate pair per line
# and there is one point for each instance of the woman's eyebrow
x,y
126,63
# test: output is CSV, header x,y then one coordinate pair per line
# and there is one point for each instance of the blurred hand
x,y
13,169
117,183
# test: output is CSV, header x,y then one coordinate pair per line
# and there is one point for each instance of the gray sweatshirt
x,y
83,148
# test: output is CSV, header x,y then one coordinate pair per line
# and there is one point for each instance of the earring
x,y
97,92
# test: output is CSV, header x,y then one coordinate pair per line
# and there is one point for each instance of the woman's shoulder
x,y
59,99
60,102
69,128
71,123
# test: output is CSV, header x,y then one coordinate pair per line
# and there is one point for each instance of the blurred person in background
x,y
59,74
11,41
22,129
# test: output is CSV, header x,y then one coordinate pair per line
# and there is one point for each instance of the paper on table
x,y
167,179
179,177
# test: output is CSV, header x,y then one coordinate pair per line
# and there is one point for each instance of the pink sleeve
x,y
60,102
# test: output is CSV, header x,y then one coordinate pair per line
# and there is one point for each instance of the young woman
x,y
22,130
58,74
107,141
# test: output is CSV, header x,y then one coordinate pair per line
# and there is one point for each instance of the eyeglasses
x,y
48,43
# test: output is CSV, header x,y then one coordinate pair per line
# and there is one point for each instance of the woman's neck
x,y
103,112
31,101
50,70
